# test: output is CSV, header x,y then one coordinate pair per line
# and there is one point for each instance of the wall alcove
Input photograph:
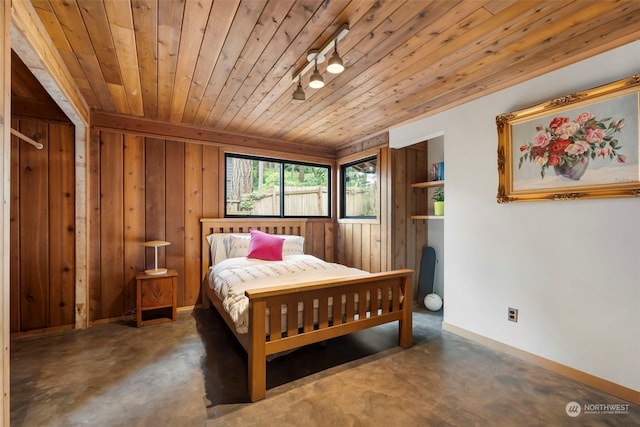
x,y
42,220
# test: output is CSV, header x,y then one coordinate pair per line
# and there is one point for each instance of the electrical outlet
x,y
512,314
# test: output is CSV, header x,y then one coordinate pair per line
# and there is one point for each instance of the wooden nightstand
x,y
156,292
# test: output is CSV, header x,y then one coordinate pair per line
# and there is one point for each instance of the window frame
x,y
282,162
342,217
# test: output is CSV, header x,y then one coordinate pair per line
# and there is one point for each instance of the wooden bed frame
x,y
395,288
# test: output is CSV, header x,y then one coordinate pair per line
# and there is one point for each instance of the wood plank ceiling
x,y
228,64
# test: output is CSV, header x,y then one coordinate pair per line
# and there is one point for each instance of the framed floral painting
x,y
583,145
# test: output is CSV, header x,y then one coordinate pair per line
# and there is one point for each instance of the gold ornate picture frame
x,y
580,146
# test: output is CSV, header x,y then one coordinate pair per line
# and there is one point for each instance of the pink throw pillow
x,y
265,246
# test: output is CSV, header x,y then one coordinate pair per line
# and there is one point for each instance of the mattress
x,y
230,278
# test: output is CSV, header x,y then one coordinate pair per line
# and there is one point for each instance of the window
x,y
264,187
359,189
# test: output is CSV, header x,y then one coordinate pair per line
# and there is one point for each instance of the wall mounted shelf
x,y
425,217
423,185
428,184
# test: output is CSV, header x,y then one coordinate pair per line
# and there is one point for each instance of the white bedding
x,y
231,277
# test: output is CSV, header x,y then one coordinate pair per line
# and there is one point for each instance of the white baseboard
x,y
598,383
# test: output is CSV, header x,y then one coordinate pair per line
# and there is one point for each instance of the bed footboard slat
x,y
374,303
292,318
395,299
336,316
307,315
323,312
350,307
384,306
275,325
363,307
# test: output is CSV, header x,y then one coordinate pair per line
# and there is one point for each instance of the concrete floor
x,y
193,373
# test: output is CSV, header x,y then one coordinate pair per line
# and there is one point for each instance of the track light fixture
x,y
314,57
298,94
335,65
316,81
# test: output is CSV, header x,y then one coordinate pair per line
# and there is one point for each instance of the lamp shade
x,y
155,244
298,94
335,65
316,81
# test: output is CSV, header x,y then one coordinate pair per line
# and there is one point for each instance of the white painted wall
x,y
435,229
572,268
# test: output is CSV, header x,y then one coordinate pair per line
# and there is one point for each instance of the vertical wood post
x,y
406,324
82,226
5,197
257,357
206,254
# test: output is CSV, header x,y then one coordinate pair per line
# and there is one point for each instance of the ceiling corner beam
x,y
32,44
203,135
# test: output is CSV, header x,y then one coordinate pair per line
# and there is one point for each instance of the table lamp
x,y
155,244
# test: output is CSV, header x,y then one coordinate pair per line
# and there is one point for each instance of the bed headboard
x,y
295,227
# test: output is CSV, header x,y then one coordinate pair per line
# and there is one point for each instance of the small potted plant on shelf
x,y
438,201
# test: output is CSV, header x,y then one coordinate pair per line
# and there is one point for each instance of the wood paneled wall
x,y
320,239
145,188
366,244
42,227
409,165
394,241
148,188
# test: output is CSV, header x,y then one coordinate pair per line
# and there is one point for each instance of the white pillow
x,y
218,249
293,245
237,245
